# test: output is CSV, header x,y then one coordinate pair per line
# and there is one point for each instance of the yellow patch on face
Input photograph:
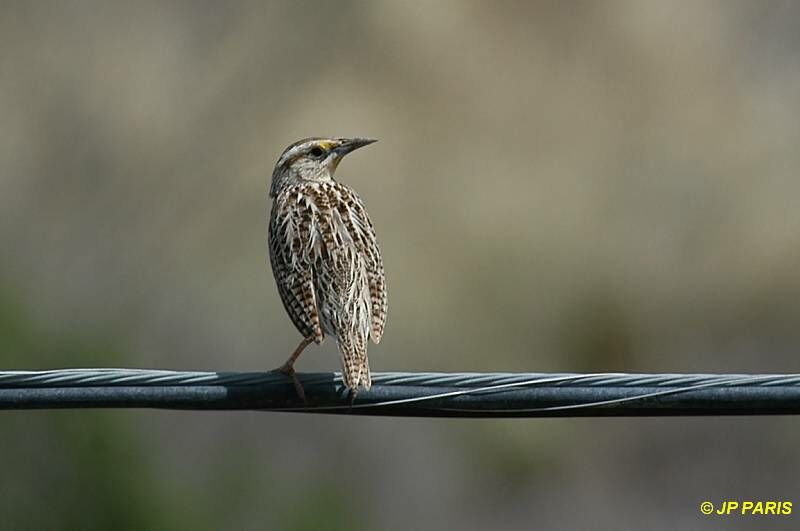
x,y
327,144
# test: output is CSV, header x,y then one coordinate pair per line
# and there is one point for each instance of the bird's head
x,y
312,159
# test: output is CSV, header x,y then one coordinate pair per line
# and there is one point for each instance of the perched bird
x,y
325,256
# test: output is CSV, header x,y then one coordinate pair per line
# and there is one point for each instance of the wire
x,y
410,394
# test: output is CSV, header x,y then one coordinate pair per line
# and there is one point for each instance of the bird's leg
x,y
288,367
352,399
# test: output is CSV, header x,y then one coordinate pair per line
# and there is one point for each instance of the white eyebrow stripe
x,y
294,151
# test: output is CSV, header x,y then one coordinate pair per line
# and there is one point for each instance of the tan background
x,y
561,186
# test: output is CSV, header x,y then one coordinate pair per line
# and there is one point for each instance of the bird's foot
x,y
288,370
352,398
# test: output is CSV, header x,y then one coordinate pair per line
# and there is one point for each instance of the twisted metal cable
x,y
410,394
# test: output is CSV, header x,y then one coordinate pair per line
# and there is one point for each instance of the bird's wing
x,y
354,216
291,256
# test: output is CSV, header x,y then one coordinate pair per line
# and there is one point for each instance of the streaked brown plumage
x,y
325,256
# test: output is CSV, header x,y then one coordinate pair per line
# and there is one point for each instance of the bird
x,y
325,256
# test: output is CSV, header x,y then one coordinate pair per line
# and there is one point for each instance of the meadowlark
x,y
325,256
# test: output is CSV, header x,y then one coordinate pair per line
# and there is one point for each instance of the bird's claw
x,y
289,371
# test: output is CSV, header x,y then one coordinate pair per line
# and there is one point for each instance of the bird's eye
x,y
316,152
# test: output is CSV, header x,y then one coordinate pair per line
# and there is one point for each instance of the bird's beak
x,y
351,144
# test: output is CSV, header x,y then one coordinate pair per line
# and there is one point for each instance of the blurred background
x,y
559,186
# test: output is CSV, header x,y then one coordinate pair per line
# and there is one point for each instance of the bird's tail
x,y
355,365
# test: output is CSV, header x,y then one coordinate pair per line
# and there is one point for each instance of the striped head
x,y
312,159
